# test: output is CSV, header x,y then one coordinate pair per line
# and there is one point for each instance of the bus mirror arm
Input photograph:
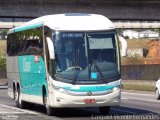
x,y
50,48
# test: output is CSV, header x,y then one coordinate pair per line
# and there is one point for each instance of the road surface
x,y
133,106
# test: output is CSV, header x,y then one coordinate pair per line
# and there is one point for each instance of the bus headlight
x,y
60,89
115,89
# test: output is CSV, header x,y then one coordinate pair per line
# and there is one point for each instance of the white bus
x,y
64,60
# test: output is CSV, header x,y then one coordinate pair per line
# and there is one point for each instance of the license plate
x,y
89,101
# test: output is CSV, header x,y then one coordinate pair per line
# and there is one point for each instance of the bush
x,y
2,63
133,60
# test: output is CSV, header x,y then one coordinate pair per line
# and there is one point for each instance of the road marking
x,y
21,110
123,111
3,87
42,115
124,98
12,112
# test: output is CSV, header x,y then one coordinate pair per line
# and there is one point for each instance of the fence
x,y
140,72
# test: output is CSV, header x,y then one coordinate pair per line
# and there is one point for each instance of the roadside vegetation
x,y
2,54
139,85
138,43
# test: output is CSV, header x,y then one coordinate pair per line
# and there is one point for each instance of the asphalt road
x,y
133,106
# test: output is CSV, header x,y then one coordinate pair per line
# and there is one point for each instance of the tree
x,y
3,33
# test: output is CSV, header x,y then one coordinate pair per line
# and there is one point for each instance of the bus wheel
x,y
14,94
49,110
104,110
19,103
157,94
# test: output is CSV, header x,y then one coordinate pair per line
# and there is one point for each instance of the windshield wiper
x,y
76,73
100,72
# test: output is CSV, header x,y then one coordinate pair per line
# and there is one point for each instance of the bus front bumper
x,y
60,100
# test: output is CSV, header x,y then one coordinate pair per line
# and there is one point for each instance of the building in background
x,y
148,34
132,34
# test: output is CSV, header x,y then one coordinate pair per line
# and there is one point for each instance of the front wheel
x,y
49,110
104,110
157,94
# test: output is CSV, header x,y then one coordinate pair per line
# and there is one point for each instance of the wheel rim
x,y
16,96
19,100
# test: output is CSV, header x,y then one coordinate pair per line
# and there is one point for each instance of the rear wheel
x,y
19,102
14,94
104,110
157,94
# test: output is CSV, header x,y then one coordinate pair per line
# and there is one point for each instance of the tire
x,y
19,102
49,110
104,110
157,94
17,98
14,95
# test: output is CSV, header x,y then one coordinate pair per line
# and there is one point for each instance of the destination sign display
x,y
72,35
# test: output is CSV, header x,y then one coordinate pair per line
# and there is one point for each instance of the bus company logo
x,y
36,58
26,66
89,93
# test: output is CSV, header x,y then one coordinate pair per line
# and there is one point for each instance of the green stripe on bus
x,y
32,75
18,29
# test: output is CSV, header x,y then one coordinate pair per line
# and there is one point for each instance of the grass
x,y
139,85
138,43
3,47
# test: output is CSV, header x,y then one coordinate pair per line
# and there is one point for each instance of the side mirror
x,y
124,46
50,48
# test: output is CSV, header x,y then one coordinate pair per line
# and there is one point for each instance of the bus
x,y
63,61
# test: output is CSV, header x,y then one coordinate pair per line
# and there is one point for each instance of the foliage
x,y
138,43
3,33
139,87
2,63
3,47
2,54
132,60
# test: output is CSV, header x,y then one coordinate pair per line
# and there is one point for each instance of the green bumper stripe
x,y
90,88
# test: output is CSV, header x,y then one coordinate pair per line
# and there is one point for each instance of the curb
x,y
3,87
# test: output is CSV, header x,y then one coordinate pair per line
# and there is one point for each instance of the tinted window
x,y
25,43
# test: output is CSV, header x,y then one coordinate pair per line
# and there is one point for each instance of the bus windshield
x,y
86,57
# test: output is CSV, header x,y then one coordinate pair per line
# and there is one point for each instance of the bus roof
x,y
69,22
